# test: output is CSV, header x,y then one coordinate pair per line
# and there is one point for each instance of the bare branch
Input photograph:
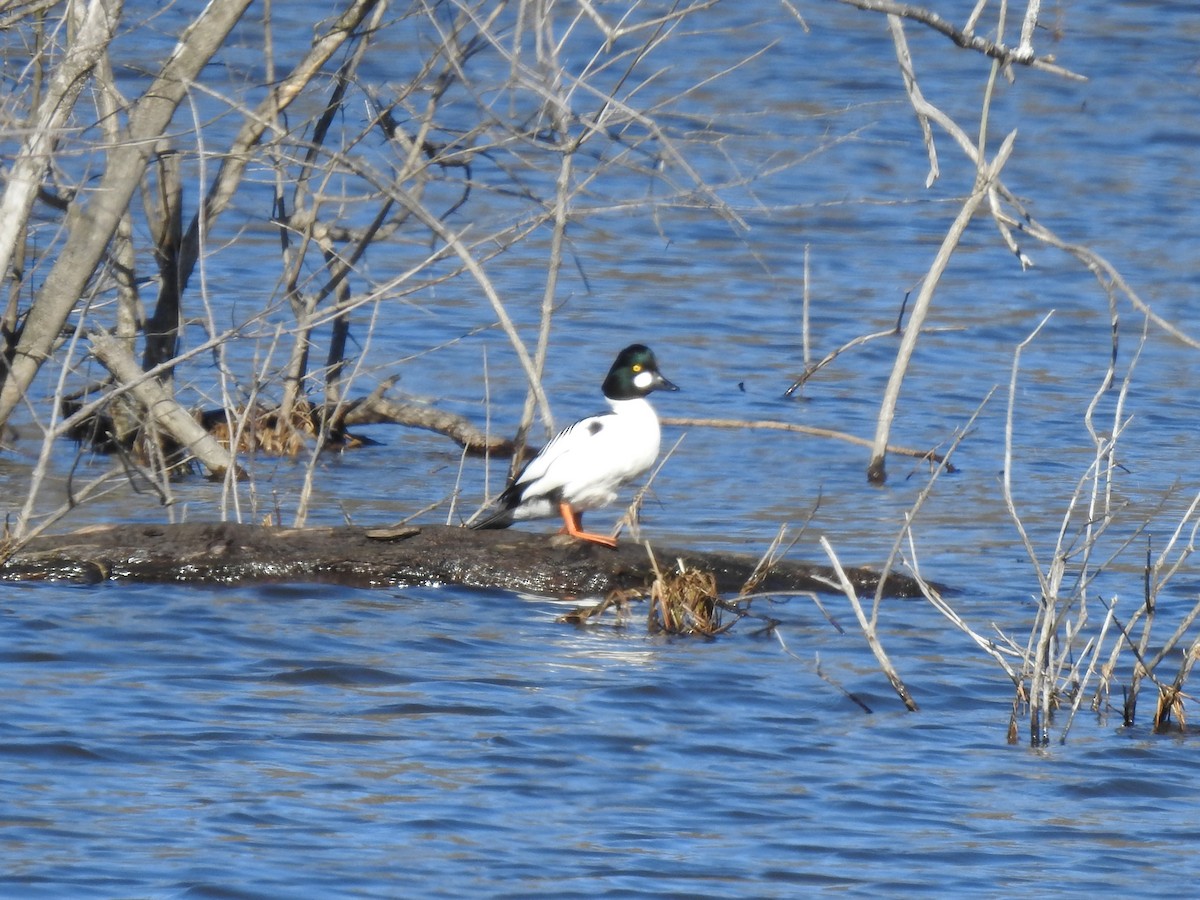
x,y
876,471
91,226
160,407
869,630
94,31
968,40
812,430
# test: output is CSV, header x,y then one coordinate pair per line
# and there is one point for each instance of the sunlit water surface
x,y
167,741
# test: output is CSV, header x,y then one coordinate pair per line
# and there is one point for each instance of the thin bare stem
x,y
869,631
876,470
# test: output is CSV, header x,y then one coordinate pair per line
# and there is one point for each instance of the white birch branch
x,y
162,410
876,471
90,226
94,31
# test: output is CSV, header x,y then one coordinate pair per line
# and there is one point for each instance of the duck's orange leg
x,y
573,525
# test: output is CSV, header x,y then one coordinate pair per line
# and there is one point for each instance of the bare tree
x,y
91,224
492,106
1010,215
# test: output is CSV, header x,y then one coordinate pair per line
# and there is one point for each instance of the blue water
x,y
264,742
298,740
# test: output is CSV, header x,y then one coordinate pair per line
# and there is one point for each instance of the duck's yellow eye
x,y
637,367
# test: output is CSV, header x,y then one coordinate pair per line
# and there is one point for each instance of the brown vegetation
x,y
405,173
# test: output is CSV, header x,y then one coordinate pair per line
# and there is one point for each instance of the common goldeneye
x,y
584,464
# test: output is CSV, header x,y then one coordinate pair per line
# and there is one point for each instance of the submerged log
x,y
230,553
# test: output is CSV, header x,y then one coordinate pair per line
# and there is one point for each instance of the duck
x,y
584,466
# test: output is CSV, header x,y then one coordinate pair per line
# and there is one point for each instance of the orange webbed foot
x,y
573,525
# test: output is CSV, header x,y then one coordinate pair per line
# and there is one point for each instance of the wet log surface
x,y
540,563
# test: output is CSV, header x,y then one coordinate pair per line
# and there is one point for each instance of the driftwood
x,y
540,563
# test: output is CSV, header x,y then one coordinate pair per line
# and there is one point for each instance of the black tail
x,y
501,515
497,518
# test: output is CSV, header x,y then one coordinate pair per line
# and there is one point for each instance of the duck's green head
x,y
635,374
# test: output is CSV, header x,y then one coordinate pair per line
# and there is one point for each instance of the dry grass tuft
x,y
685,602
681,602
264,430
255,429
1170,706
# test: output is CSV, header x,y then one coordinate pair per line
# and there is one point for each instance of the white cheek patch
x,y
643,380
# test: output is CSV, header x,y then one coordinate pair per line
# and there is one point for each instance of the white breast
x,y
587,463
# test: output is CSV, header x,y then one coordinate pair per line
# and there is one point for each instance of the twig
x,y
1082,687
805,344
916,98
1022,55
633,511
868,629
377,408
811,370
93,29
812,430
161,409
876,470
828,679
911,515
773,554
1006,480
